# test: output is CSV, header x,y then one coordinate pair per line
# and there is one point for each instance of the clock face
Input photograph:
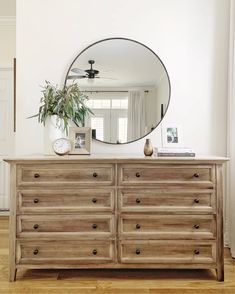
x,y
62,146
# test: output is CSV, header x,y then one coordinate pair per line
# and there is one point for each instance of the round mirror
x,y
128,89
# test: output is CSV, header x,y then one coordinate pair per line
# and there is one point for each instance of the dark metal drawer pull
x,y
196,175
35,226
95,175
94,200
35,200
36,175
94,226
138,226
196,200
137,175
35,252
137,251
137,200
94,252
196,227
196,252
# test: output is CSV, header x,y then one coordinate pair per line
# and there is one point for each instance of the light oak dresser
x,y
116,212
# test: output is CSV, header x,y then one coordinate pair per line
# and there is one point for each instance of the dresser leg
x,y
220,274
12,277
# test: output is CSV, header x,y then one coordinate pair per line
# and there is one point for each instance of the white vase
x,y
54,129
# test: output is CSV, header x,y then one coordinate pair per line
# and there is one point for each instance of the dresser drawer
x,y
65,174
64,252
65,225
167,226
191,175
200,201
58,201
174,252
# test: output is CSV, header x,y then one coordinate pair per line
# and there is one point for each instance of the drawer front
x,y
64,252
36,201
167,200
62,174
193,175
167,227
174,252
74,225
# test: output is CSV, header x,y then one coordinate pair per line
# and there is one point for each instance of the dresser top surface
x,y
114,158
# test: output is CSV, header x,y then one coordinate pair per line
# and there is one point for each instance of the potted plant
x,y
58,108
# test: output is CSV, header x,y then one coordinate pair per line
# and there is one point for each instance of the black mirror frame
x,y
162,112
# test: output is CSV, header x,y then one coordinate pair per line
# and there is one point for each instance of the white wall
x,y
7,33
190,36
7,44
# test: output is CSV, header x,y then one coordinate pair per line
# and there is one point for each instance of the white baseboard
x,y
232,253
226,239
4,212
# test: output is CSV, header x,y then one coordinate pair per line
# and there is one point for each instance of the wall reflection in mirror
x,y
127,85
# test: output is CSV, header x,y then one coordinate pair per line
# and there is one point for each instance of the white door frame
x,y
7,134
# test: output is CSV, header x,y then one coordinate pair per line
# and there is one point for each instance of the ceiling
x,y
121,63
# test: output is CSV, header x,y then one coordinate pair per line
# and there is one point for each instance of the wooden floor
x,y
112,281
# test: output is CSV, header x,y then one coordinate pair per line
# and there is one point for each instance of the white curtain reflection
x,y
136,115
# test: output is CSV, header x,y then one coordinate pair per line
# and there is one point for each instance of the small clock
x,y
61,146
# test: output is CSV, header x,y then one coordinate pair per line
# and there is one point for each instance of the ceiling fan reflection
x,y
88,73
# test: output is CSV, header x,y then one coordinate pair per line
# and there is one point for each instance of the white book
x,y
173,150
187,154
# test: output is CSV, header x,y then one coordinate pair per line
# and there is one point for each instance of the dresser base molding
x,y
117,266
116,213
219,274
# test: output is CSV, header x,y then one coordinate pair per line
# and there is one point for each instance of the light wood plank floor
x,y
112,281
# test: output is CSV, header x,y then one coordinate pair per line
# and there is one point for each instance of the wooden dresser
x,y
116,212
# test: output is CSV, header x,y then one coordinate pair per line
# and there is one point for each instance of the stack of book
x,y
173,152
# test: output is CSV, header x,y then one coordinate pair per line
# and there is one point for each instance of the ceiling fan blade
x,y
78,71
104,78
75,77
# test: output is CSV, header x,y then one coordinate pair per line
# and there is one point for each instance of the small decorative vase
x,y
53,130
148,148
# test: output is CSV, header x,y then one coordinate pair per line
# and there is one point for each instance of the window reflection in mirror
x,y
110,116
127,85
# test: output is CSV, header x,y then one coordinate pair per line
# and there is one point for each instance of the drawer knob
x,y
196,251
94,226
138,226
137,200
94,252
35,252
196,227
95,175
94,200
196,175
137,175
35,200
196,200
36,175
35,226
137,251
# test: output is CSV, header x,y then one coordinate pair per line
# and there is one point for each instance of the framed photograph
x,y
80,140
172,136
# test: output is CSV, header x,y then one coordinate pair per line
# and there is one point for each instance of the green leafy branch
x,y
69,103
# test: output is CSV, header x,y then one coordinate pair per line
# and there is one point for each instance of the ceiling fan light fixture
x,y
91,80
91,72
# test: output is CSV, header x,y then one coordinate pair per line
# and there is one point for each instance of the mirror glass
x,y
127,85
